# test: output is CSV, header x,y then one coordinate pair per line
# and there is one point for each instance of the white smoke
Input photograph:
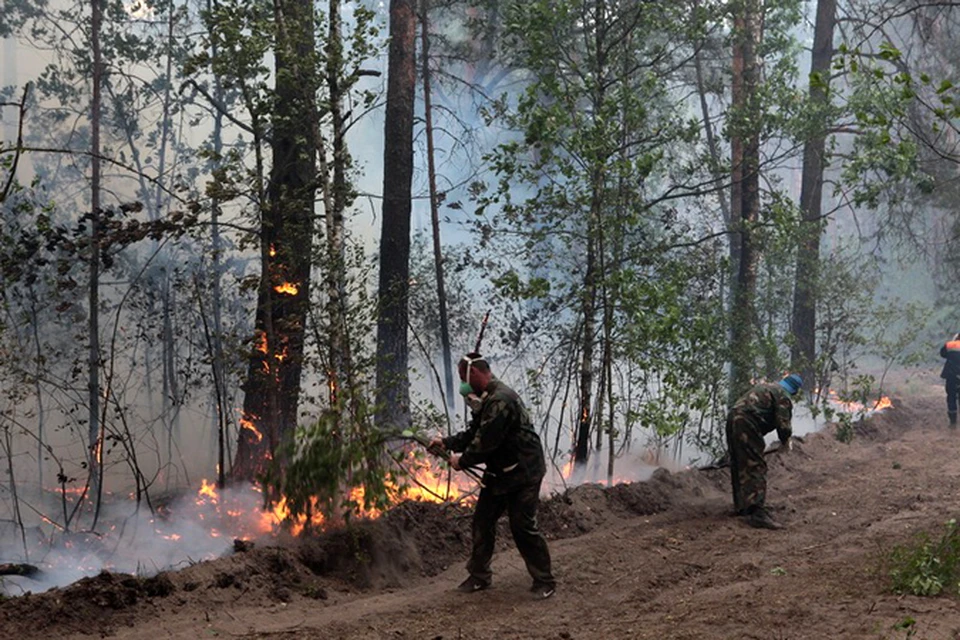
x,y
128,539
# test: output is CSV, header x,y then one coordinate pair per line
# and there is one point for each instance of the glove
x,y
437,448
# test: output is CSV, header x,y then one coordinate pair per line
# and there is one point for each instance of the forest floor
x,y
660,559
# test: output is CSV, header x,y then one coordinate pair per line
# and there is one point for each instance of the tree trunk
x,y
392,378
38,389
94,439
435,208
803,351
588,338
336,201
272,389
747,111
171,392
219,368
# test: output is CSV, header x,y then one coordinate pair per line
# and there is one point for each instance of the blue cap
x,y
792,383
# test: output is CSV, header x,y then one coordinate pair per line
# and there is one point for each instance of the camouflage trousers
x,y
748,468
521,507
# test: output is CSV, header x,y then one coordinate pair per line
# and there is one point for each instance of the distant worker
x,y
951,374
767,406
500,436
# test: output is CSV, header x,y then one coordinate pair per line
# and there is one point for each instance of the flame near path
x,y
190,528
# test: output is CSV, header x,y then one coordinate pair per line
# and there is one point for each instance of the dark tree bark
x,y
803,351
588,301
747,132
94,435
588,337
216,339
393,393
272,389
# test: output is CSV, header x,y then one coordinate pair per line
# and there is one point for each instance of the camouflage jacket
x,y
501,436
768,406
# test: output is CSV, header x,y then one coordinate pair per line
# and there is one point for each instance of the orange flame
x,y
249,426
853,406
287,287
208,489
234,514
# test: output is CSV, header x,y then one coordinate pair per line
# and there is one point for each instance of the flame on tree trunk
x,y
272,389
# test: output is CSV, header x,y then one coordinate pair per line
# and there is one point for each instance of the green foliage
x,y
342,466
336,466
927,566
590,172
844,430
882,97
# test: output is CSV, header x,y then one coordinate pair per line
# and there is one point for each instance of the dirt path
x,y
688,572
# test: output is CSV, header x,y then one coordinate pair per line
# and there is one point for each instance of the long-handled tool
x,y
443,454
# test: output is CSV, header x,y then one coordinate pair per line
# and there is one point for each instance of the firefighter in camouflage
x,y
764,408
501,436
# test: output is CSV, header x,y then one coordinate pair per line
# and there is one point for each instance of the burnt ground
x,y
660,559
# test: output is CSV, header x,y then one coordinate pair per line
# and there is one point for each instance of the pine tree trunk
x,y
393,394
272,389
803,351
747,30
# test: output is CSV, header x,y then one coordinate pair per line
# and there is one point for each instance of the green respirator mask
x,y
465,388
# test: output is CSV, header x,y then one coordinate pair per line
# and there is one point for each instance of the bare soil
x,y
662,559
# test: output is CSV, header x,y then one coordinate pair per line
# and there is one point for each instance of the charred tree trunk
x,y
803,351
94,435
588,337
272,389
393,392
588,302
216,339
435,208
747,132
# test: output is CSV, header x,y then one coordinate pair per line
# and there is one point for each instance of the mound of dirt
x,y
412,540
91,605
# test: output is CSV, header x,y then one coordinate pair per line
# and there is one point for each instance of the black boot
x,y
760,518
953,419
